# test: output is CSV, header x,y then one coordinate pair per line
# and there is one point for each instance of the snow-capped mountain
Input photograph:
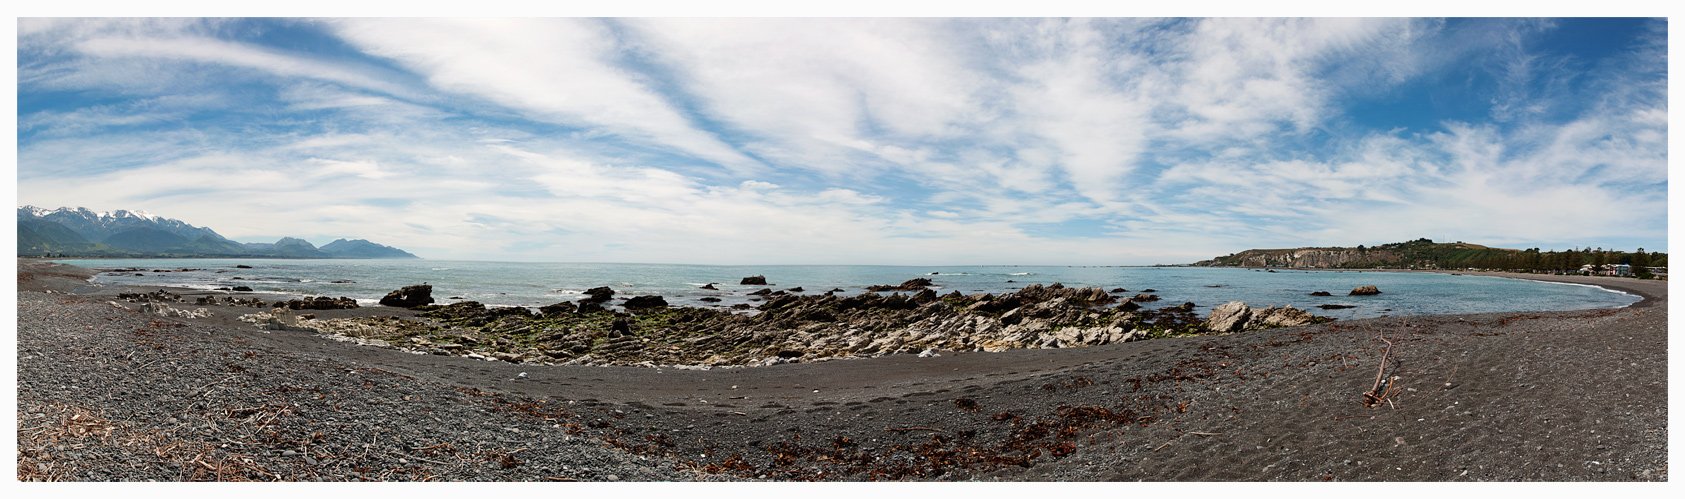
x,y
97,226
134,233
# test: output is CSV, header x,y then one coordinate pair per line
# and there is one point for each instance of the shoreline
x,y
1197,403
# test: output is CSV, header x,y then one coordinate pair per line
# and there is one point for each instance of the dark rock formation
x,y
1334,307
709,299
709,286
1322,293
599,294
321,303
1143,297
1365,291
909,285
409,296
758,280
1119,290
647,301
761,292
240,288
566,307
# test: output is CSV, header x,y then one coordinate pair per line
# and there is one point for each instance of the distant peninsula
x,y
1426,254
82,233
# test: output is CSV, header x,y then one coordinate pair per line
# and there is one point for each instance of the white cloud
x,y
554,70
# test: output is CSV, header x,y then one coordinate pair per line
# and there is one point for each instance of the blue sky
x,y
870,141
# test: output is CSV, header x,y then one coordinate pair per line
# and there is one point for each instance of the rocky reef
x,y
787,327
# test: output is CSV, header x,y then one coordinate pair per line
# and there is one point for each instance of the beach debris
x,y
1376,394
1365,291
759,280
409,296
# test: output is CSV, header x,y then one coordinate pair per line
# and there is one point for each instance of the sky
x,y
910,141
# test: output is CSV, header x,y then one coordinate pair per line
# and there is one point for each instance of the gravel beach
x,y
111,394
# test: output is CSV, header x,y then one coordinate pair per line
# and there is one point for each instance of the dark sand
x,y
1553,396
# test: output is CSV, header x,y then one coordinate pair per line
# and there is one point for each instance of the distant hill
x,y
359,248
81,232
1420,253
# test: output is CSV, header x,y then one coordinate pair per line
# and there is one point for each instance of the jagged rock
x,y
621,325
162,310
1365,290
590,307
1228,317
754,281
796,289
507,357
761,292
647,301
924,296
1284,316
1129,305
709,286
1321,293
409,296
1143,297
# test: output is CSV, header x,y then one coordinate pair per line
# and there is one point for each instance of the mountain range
x,y
81,232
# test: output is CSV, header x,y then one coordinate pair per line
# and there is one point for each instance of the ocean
x,y
539,284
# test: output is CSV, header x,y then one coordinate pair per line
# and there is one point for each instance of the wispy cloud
x,y
854,140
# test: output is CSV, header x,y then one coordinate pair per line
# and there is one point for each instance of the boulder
x,y
1322,293
409,296
566,307
761,292
758,280
1119,290
647,301
599,294
1228,317
241,288
1144,297
1365,291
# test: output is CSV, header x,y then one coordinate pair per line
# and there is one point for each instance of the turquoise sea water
x,y
538,284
